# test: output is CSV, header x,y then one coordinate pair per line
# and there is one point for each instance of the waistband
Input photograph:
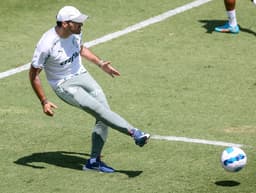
x,y
69,77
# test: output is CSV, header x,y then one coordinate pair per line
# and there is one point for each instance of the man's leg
x,y
79,92
230,4
100,130
231,12
231,26
84,92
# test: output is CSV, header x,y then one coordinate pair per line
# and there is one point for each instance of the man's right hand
x,y
48,108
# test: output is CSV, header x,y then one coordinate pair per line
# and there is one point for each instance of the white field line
x,y
14,71
200,141
127,30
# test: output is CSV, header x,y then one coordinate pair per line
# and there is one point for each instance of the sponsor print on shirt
x,y
71,59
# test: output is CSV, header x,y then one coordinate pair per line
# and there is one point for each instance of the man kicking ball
x,y
59,53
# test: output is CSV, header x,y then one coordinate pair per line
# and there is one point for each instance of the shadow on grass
x,y
63,159
209,25
227,183
71,160
130,174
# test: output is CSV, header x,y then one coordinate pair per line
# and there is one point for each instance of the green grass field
x,y
178,78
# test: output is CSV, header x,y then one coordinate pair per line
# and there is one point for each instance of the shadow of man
x,y
71,160
63,159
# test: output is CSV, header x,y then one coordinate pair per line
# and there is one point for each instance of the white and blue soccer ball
x,y
233,159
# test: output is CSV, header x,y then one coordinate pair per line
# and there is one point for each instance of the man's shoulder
x,y
49,38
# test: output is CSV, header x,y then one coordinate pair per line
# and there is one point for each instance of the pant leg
x,y
83,91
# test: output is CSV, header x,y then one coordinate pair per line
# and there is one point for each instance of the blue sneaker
x,y
140,137
227,29
97,165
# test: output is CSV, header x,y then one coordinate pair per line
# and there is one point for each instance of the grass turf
x,y
178,78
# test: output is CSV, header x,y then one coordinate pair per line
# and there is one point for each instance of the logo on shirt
x,y
71,59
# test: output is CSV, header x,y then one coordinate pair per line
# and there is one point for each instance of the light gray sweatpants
x,y
84,92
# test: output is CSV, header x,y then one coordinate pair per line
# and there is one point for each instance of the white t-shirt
x,y
60,58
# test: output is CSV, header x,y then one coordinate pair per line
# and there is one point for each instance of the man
x,y
59,53
231,26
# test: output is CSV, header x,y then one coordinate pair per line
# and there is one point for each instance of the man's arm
x,y
104,65
37,86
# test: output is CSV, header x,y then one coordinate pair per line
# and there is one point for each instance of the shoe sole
x,y
227,31
96,170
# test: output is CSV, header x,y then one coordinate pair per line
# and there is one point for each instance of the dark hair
x,y
59,23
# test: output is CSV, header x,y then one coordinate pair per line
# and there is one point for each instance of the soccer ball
x,y
233,159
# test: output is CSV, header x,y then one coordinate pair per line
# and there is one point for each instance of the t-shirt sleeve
x,y
40,55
